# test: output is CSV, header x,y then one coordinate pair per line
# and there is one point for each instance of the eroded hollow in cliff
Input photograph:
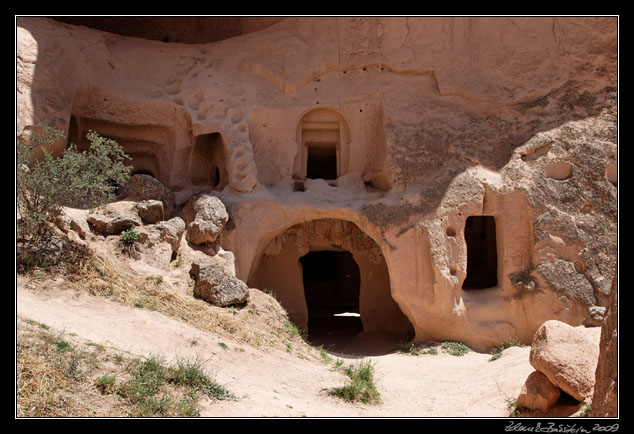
x,y
331,287
482,258
208,161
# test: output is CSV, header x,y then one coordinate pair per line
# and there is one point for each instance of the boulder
x,y
142,187
206,216
109,225
171,232
538,393
151,211
217,287
80,226
568,356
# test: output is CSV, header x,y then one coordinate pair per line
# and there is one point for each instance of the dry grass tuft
x,y
52,378
60,378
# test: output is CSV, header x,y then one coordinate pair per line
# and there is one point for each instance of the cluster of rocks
x,y
565,360
148,208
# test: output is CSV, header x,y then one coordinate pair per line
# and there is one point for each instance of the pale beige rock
x,y
217,287
538,393
567,356
206,216
114,218
145,187
150,211
159,243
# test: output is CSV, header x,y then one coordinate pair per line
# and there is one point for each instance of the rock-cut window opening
x,y
331,286
323,138
482,258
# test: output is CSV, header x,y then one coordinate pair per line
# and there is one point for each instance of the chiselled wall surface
x,y
439,119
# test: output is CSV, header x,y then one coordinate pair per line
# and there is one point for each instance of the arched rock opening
x,y
311,266
208,161
323,136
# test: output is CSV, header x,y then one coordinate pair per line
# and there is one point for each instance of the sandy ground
x,y
275,383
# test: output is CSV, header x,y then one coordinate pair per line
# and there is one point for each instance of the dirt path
x,y
273,382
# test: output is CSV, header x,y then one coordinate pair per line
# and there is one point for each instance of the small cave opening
x,y
332,284
321,161
208,161
482,258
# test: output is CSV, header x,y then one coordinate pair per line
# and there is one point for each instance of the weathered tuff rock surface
x,y
151,211
538,393
143,187
114,218
205,216
215,286
605,398
430,122
567,356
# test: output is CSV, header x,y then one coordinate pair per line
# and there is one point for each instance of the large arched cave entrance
x,y
333,281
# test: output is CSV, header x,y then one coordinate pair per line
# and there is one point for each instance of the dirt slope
x,y
274,382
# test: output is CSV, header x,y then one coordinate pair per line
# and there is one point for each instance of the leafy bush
x,y
128,240
79,179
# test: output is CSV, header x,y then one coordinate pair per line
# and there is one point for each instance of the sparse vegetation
x,y
455,348
55,379
292,329
586,410
148,391
495,356
128,241
507,344
360,387
513,407
415,350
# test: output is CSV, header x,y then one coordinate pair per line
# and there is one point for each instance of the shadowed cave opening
x,y
322,161
482,260
331,286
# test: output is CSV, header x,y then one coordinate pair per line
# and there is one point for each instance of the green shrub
x,y
455,348
79,179
129,237
360,387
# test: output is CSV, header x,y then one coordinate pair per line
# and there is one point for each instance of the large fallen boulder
x,y
206,216
217,287
568,356
538,393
